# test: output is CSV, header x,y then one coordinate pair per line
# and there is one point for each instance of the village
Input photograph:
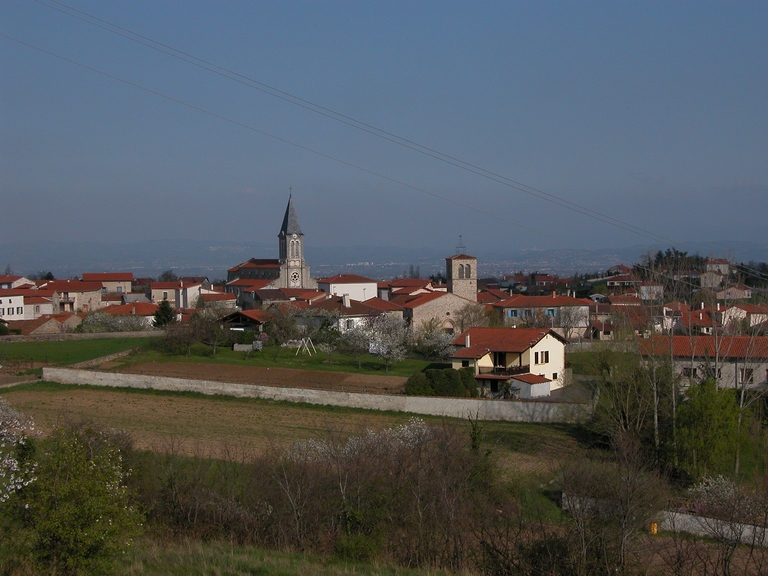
x,y
513,332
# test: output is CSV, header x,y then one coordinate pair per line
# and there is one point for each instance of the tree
x,y
164,315
206,326
432,341
708,429
79,512
470,315
168,276
389,338
8,270
357,340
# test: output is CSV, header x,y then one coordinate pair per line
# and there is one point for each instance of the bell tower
x,y
294,271
461,274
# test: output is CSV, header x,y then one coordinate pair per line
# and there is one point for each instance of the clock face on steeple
x,y
295,277
295,236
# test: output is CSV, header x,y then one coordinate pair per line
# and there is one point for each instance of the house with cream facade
x,y
520,363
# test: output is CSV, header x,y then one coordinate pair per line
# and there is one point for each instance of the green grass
x,y
276,357
217,558
65,352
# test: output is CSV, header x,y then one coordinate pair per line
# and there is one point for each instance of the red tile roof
x,y
256,263
461,257
108,276
725,347
249,284
383,305
523,301
137,308
500,340
73,286
217,297
345,279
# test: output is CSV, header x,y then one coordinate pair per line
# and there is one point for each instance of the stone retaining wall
x,y
513,411
81,336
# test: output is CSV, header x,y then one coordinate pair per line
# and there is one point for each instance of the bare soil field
x,y
282,377
188,424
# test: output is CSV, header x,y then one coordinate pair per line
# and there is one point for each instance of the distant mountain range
x,y
209,258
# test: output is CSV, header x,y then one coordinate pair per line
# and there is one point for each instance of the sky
x,y
654,114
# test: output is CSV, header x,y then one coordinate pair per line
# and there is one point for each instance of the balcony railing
x,y
505,371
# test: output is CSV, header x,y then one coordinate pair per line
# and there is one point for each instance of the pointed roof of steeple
x,y
290,221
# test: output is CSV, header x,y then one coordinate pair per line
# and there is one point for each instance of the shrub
x,y
418,385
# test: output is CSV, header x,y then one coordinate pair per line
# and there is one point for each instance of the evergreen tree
x,y
164,314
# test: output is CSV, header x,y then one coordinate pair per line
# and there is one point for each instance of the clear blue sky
x,y
655,113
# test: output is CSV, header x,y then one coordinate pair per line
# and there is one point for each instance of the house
x,y
36,306
512,362
734,361
145,310
569,315
111,282
719,265
10,282
12,304
406,287
341,311
740,292
179,294
651,291
617,284
218,300
749,314
73,295
445,307
46,324
356,287
247,320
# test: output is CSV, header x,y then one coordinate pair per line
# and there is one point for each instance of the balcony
x,y
504,371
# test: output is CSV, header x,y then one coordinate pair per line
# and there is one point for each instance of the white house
x,y
734,361
512,362
356,287
12,305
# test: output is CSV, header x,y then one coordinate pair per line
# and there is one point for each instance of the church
x,y
290,270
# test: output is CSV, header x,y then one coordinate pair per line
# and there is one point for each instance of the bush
x,y
443,382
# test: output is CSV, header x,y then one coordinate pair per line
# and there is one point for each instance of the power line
x,y
361,125
349,121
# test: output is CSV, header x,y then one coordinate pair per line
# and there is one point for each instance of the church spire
x,y
290,221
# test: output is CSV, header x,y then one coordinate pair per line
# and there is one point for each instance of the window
x,y
350,324
2,311
19,310
512,313
465,363
119,289
747,375
551,312
165,295
689,372
10,311
554,375
541,357
37,309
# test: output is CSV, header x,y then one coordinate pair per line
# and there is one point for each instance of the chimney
x,y
554,294
345,300
718,306
702,305
466,340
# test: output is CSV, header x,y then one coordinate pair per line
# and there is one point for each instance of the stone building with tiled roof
x,y
289,270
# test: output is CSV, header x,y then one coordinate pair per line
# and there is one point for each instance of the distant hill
x,y
210,258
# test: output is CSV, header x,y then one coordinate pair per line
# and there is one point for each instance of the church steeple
x,y
291,239
290,221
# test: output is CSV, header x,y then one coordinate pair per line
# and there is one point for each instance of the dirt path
x,y
283,377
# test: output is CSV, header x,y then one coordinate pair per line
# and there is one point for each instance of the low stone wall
x,y
81,336
512,411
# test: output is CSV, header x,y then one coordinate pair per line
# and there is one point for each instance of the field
x,y
203,425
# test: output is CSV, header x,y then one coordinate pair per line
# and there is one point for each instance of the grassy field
x,y
65,352
196,424
277,357
195,558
